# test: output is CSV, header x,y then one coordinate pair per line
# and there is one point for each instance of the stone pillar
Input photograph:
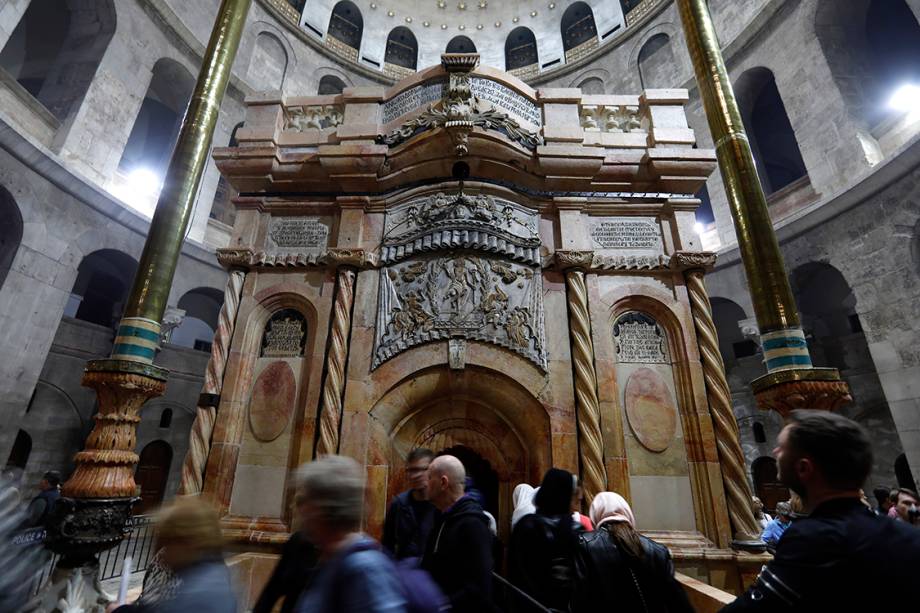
x,y
330,417
200,441
738,495
590,438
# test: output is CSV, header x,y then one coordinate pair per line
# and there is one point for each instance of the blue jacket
x,y
774,530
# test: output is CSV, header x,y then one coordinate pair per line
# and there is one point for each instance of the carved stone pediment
x,y
460,295
480,222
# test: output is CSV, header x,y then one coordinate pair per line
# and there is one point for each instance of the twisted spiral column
x,y
334,386
203,427
731,458
590,439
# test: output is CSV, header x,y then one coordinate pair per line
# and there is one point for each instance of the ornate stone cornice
x,y
567,259
693,260
358,258
249,258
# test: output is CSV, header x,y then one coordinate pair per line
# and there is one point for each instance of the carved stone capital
x,y
807,388
358,258
567,259
235,258
693,260
459,62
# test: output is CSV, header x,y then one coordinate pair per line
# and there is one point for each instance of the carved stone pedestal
x,y
808,388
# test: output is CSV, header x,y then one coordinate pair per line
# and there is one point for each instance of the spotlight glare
x,y
906,98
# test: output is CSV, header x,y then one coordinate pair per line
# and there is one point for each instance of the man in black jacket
x,y
459,550
411,516
841,555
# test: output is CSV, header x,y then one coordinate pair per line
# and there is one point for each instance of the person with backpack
x,y
543,544
353,575
459,550
615,563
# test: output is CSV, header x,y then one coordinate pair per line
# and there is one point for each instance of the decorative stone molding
x,y
334,385
693,260
566,259
300,118
630,262
248,258
614,118
785,391
358,258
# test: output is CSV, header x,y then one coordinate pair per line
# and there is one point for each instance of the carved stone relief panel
x,y
448,221
641,234
285,335
460,294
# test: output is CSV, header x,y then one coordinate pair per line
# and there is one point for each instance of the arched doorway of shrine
x,y
486,418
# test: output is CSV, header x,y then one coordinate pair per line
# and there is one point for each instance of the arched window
x,y
776,150
146,154
460,44
346,26
657,63
55,49
759,435
592,86
520,49
202,309
579,33
402,48
10,232
166,418
268,63
22,449
330,85
222,208
732,345
100,292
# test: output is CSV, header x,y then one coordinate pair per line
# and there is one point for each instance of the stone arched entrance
x,y
477,409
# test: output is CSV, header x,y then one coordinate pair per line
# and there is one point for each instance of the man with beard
x,y
842,554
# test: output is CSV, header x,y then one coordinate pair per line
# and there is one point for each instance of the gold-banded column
x,y
330,417
784,347
206,414
738,495
590,437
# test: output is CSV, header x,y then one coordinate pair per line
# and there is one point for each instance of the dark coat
x,y
839,558
605,574
203,588
540,560
405,532
292,574
459,557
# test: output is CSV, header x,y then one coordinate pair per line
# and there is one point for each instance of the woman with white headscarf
x,y
522,499
617,564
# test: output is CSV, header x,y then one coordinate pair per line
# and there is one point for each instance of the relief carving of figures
x,y
301,118
460,295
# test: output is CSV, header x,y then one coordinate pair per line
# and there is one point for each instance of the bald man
x,y
459,550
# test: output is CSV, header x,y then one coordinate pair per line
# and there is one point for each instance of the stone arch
x,y
486,410
10,232
100,291
595,73
773,141
521,48
19,454
460,44
199,323
592,86
54,413
330,85
268,63
866,44
656,62
56,48
401,48
346,24
143,162
577,26
727,314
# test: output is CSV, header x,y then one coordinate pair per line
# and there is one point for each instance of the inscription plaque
x,y
626,233
413,98
285,335
298,233
639,339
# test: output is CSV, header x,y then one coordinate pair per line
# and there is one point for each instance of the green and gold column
x,y
97,499
791,381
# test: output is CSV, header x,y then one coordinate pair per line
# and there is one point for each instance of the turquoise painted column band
x,y
137,340
785,349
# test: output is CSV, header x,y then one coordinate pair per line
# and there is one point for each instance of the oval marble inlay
x,y
649,409
272,401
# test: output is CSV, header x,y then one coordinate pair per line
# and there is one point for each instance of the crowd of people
x,y
440,550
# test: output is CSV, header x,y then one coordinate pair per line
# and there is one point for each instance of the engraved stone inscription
x,y
285,335
626,233
639,339
506,99
412,99
298,233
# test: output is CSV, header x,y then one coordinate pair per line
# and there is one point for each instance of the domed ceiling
x,y
526,36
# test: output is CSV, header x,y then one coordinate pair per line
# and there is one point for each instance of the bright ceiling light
x,y
140,189
144,181
907,99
